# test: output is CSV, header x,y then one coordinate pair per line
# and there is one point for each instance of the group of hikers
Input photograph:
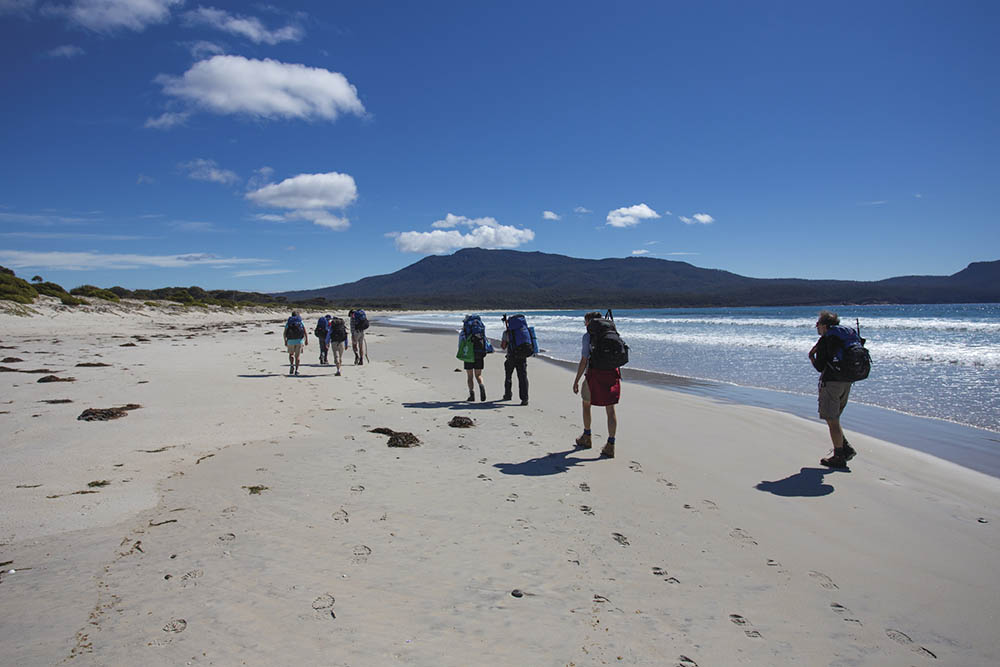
x,y
839,355
332,335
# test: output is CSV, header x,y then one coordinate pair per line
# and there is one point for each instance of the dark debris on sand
x,y
10,360
398,438
53,378
92,364
105,414
461,422
57,401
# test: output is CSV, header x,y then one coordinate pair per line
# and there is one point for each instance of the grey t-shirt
x,y
585,350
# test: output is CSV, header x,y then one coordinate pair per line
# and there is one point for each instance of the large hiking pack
x,y
360,320
474,330
852,362
521,339
294,329
321,328
607,350
338,330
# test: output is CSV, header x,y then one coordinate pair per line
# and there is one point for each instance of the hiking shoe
x,y
296,370
835,460
471,398
609,450
849,452
291,369
337,374
524,402
506,397
482,393
583,442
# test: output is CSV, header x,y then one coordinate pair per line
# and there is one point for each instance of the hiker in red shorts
x,y
602,387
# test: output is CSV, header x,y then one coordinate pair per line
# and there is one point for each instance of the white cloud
x,y
640,252
192,226
86,261
142,179
631,215
260,178
111,15
309,196
582,210
264,88
204,48
270,217
651,242
262,272
243,26
40,219
677,254
66,51
873,203
207,170
918,196
697,219
485,236
167,120
549,215
452,220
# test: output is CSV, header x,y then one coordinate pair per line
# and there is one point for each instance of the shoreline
x,y
970,447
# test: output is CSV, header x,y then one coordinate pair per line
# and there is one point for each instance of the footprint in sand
x,y
228,537
773,563
684,661
192,575
484,477
512,498
823,580
357,489
350,467
744,623
323,602
584,487
841,609
620,539
903,639
587,509
635,466
523,524
709,505
175,625
670,485
341,516
361,554
483,460
742,536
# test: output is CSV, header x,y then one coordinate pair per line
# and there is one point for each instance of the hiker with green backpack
x,y
473,346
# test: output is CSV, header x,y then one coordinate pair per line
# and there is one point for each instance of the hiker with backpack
x,y
602,353
473,346
336,339
841,359
295,338
322,332
359,324
519,341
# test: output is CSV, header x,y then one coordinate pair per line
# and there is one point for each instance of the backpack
x,y
852,362
321,328
360,320
474,330
294,328
519,336
338,330
607,350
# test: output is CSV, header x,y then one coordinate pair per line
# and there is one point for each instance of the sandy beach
x,y
235,515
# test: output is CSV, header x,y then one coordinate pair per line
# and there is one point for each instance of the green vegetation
x,y
15,289
56,290
94,292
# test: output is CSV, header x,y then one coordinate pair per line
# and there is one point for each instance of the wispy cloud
x,y
549,215
630,215
262,272
192,226
66,51
249,27
310,197
679,254
484,232
582,210
203,48
167,120
651,242
878,202
202,169
261,88
142,179
87,261
697,219
640,252
41,218
111,15
260,178
70,235
918,195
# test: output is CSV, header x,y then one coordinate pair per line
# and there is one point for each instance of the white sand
x,y
416,551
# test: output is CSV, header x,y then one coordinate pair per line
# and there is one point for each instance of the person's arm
x,y
819,354
580,369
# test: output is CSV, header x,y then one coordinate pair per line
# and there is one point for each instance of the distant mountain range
x,y
479,278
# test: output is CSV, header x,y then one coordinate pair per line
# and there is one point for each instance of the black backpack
x,y
295,329
853,362
607,350
338,331
360,320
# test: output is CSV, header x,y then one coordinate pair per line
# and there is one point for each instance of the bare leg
x,y
468,376
836,433
612,421
586,415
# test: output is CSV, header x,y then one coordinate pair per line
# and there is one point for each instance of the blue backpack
x,y
294,329
321,328
852,361
520,337
473,329
360,320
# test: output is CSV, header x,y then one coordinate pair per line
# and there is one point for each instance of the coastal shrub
x,y
56,290
94,292
15,289
150,303
121,292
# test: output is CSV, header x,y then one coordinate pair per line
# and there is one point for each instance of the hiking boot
x,y
337,374
482,393
835,460
583,442
524,402
609,450
296,370
291,369
849,452
506,397
471,398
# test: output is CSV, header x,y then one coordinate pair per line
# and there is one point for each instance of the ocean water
x,y
938,361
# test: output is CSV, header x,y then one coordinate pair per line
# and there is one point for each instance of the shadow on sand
x,y
552,463
453,405
806,483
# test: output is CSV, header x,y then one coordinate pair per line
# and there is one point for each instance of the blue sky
x,y
249,146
